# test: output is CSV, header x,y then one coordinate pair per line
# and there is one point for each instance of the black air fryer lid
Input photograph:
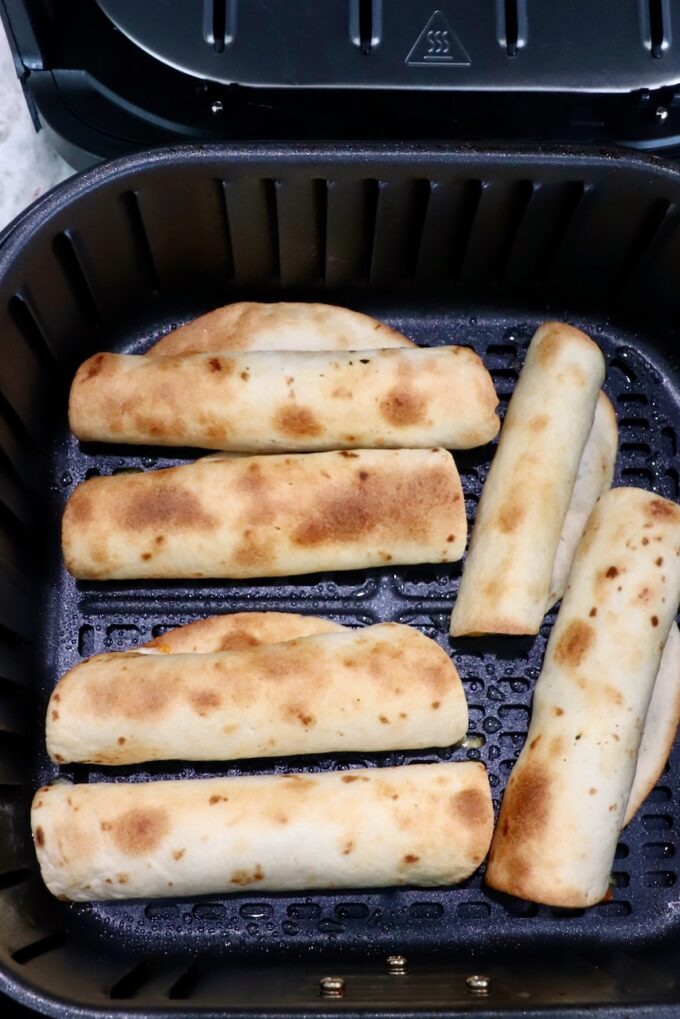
x,y
110,76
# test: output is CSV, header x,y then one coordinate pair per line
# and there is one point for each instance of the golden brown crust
x,y
267,516
249,325
238,631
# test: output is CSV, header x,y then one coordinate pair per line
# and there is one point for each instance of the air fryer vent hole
x,y
25,321
131,982
40,947
219,23
70,261
185,985
511,27
658,28
140,240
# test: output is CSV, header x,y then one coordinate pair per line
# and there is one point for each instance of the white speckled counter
x,y
29,165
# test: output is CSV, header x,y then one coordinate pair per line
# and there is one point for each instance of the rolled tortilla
x,y
594,478
267,402
425,824
285,325
385,687
268,516
660,728
238,631
507,575
567,795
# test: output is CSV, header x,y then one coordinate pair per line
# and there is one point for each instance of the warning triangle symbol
x,y
437,45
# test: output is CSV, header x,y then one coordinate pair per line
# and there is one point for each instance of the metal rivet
x,y
332,987
396,964
661,114
478,984
217,106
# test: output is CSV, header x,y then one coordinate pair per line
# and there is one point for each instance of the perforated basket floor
x,y
473,249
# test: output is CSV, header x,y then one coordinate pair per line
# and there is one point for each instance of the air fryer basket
x,y
462,246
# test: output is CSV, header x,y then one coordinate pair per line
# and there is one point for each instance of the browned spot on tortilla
x,y
612,572
659,561
215,364
93,367
645,541
280,817
510,517
140,830
245,877
296,421
166,505
384,719
253,551
40,837
55,715
245,376
538,422
411,858
217,799
349,455
105,825
238,642
348,848
204,700
593,612
436,704
363,475
57,696
146,556
59,759
645,595
350,778
574,643
389,503
403,406
298,783
79,507
655,620
471,807
527,800
592,790
123,879
177,854
612,694
611,808
303,717
121,740
661,508
534,742
127,696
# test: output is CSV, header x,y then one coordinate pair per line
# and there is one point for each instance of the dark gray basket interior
x,y
466,247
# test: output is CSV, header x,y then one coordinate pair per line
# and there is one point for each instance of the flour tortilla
x,y
425,824
594,478
568,793
268,516
269,401
660,728
508,571
285,325
237,631
384,687
595,475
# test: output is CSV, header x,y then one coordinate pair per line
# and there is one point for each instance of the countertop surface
x,y
29,165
